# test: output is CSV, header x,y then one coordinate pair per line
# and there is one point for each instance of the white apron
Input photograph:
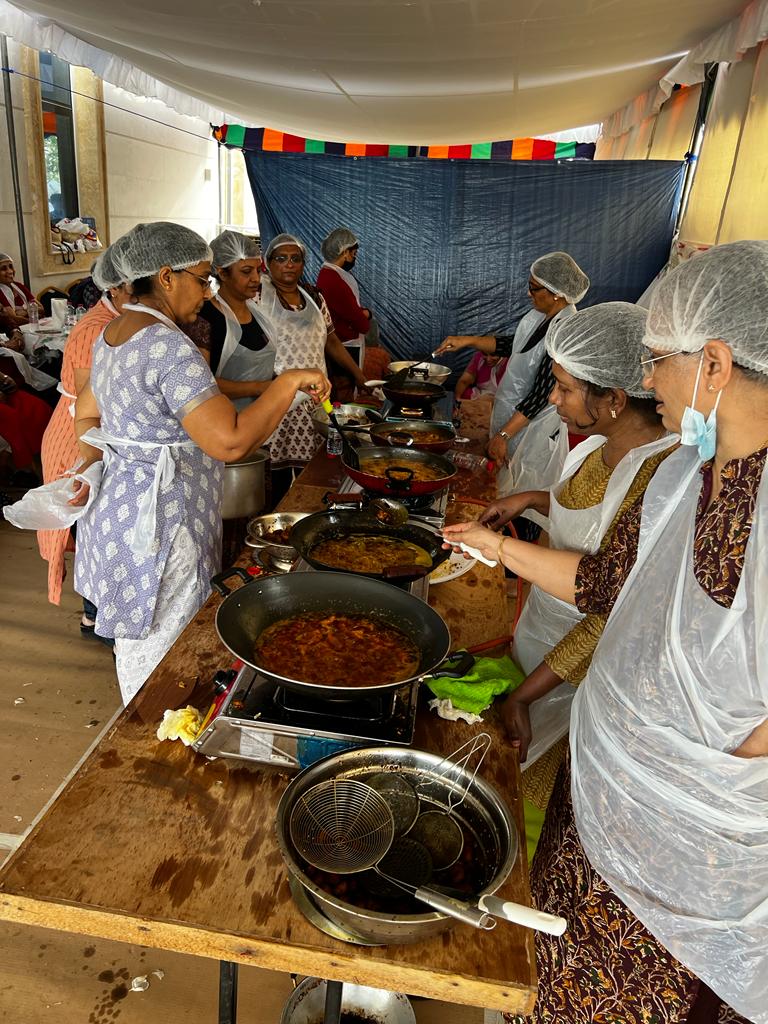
x,y
238,362
143,532
300,336
357,343
676,825
544,456
545,619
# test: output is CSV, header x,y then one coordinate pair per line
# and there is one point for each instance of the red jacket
x,y
347,314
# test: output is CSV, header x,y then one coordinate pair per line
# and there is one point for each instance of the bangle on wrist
x,y
501,545
504,434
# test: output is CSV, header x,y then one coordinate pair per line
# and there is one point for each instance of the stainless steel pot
x,y
483,813
244,490
307,1004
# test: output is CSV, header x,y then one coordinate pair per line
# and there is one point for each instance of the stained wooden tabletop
x,y
153,844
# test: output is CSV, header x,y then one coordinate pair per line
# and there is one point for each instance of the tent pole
x,y
14,158
697,137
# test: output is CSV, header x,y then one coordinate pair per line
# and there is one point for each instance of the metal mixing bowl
x,y
258,528
307,1004
483,812
437,373
349,412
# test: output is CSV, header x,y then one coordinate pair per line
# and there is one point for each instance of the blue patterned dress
x,y
148,582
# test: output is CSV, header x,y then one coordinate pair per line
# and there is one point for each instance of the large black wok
x,y
403,468
415,394
339,523
245,614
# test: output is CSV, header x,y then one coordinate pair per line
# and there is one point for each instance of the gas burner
x,y
261,722
423,509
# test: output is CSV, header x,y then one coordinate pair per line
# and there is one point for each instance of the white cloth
x,y
178,600
35,378
675,824
67,394
545,620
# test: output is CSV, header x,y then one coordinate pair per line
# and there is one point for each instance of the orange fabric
x,y
354,149
60,452
273,141
522,149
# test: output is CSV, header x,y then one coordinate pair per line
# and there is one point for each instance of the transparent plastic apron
x,y
144,528
238,362
676,824
545,619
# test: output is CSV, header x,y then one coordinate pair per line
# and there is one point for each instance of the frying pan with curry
x,y
353,542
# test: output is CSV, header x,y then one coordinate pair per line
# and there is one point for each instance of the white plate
x,y
451,568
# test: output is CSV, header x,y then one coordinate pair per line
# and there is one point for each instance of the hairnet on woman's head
x,y
231,246
603,345
147,248
723,293
105,274
561,275
283,239
333,245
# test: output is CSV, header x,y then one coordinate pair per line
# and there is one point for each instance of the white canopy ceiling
x,y
381,71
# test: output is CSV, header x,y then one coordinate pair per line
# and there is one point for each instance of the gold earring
x,y
710,387
613,414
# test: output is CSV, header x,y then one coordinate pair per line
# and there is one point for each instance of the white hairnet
x,y
105,274
231,246
603,345
283,239
561,274
333,245
723,293
147,248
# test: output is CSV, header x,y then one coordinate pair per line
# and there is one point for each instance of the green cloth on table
x,y
475,691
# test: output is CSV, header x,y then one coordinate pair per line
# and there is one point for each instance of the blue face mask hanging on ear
x,y
694,429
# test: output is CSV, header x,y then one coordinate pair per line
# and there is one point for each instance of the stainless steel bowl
x,y
307,1004
258,528
437,373
483,812
350,412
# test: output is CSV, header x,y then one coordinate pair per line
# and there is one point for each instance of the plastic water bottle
x,y
33,314
80,312
474,463
335,443
70,319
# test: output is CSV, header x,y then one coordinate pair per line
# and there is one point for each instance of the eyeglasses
x,y
206,281
295,257
648,363
533,287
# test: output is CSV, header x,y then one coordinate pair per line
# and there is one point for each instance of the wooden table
x,y
151,844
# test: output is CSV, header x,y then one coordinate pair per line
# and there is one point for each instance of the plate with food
x,y
451,568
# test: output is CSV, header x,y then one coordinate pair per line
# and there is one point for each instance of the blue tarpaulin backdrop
x,y
445,246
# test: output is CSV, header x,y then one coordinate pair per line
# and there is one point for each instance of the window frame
x,y
90,160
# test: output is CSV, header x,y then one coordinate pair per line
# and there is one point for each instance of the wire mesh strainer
x,y
341,825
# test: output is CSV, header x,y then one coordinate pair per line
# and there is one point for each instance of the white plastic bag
x,y
48,508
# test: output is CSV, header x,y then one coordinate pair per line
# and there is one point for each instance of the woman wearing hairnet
x,y
303,331
599,393
234,330
151,537
658,849
521,414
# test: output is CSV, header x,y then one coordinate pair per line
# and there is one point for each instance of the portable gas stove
x,y
441,409
423,509
267,724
